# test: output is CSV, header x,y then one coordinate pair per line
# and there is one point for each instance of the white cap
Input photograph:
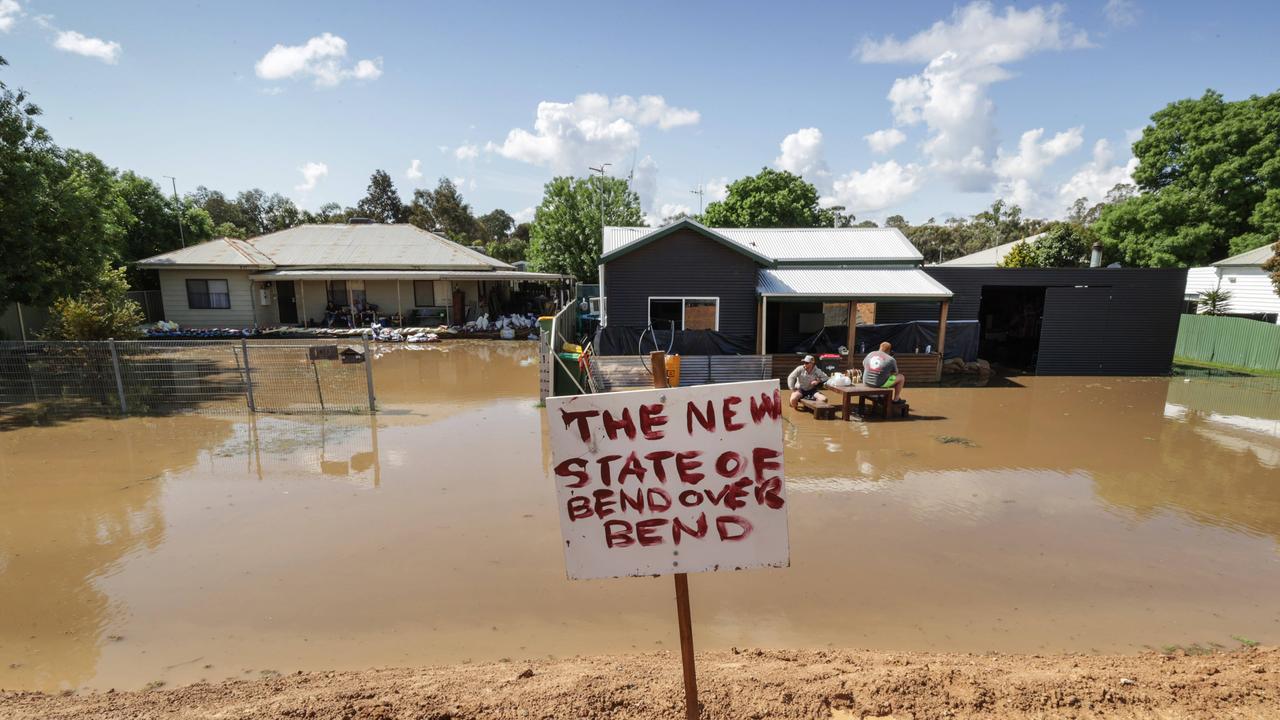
x,y
808,359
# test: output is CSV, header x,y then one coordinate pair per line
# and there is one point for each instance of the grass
x,y
1245,641
1229,368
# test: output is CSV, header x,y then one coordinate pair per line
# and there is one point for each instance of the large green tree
x,y
443,210
381,202
770,198
1209,175
565,236
151,225
1062,245
60,217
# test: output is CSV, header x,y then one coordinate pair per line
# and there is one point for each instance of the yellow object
x,y
673,371
570,347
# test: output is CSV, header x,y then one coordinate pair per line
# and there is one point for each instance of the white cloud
x,y
10,11
567,137
669,209
415,170
73,42
323,58
311,174
464,183
716,189
525,215
882,141
272,90
645,182
802,154
1096,178
467,152
1121,13
965,54
880,186
1021,173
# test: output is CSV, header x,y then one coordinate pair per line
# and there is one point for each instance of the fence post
x,y
248,374
368,374
115,365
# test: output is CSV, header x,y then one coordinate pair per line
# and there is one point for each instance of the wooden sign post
x,y
684,617
671,481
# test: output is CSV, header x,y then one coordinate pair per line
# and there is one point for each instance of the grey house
x,y
765,289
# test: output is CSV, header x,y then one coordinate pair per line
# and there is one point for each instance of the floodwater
x,y
1038,514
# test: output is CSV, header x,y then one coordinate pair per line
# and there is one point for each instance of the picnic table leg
x,y
862,405
845,402
886,399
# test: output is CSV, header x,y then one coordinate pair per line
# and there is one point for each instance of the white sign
x,y
677,480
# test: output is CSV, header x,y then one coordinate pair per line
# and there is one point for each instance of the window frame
x,y
417,301
208,296
684,306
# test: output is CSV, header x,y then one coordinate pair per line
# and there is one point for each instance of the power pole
x,y
699,191
182,235
601,170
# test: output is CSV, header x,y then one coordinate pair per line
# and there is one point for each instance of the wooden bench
x,y
822,410
881,399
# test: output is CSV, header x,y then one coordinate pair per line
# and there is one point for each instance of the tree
x,y
221,210
444,211
281,213
151,225
1064,245
497,225
99,312
896,221
1021,255
565,236
1209,179
381,202
1214,302
771,198
419,211
1272,266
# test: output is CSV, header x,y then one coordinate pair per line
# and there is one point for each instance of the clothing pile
x,y
165,329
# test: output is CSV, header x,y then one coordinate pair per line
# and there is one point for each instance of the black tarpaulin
x,y
913,336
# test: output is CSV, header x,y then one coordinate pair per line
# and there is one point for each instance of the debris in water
x,y
956,440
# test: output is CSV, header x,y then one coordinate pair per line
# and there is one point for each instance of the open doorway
x,y
1011,319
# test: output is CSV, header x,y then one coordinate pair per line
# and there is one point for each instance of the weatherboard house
x,y
288,277
1252,292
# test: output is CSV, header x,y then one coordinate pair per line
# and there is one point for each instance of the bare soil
x,y
735,684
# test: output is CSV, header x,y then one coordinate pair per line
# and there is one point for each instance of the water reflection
x,y
1050,514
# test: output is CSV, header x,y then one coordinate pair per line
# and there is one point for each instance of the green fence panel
x,y
1229,341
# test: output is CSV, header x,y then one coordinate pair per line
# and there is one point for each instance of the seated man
x,y
880,369
805,381
330,313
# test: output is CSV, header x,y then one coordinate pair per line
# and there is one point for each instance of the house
x,y
288,277
761,291
991,257
1253,294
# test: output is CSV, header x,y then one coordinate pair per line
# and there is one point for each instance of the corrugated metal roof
x,y
855,245
356,274
349,246
991,257
1256,257
861,283
219,252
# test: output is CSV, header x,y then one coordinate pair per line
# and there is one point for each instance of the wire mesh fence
x,y
161,377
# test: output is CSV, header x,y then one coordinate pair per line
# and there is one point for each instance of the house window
x,y
336,292
685,313
424,294
208,295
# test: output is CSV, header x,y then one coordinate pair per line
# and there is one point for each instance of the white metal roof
x,y
1254,257
860,283
221,252
338,274
992,256
854,245
358,245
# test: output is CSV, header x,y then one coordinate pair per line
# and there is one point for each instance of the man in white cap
x,y
805,381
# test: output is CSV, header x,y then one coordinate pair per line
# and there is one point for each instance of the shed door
x,y
1074,335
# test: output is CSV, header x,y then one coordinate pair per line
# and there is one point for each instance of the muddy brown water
x,y
1043,514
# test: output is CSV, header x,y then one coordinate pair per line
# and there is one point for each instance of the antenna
x,y
699,191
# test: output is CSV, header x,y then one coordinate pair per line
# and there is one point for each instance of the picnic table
x,y
878,396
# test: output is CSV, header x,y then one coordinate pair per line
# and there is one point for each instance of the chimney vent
x,y
360,221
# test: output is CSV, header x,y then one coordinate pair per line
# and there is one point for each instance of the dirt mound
x,y
737,684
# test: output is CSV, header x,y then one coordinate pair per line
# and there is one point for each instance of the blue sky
x,y
971,101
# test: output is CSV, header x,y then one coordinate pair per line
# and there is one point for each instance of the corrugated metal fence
x,y
1237,342
160,377
612,372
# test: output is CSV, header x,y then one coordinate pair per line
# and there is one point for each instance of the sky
x,y
923,109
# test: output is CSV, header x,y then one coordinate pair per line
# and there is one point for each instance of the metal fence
x,y
613,372
161,377
1229,341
